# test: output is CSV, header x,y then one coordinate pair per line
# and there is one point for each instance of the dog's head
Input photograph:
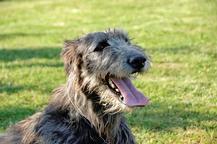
x,y
102,63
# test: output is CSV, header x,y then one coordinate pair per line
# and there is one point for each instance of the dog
x,y
89,108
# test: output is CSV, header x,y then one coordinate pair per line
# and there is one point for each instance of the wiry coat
x,y
84,110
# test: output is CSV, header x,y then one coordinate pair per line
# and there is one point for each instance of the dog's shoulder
x,y
60,127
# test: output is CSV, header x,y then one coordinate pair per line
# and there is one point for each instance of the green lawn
x,y
180,36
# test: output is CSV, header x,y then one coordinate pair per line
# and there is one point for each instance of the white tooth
x,y
116,90
121,98
112,85
110,82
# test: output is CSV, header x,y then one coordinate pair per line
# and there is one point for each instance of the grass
x,y
180,36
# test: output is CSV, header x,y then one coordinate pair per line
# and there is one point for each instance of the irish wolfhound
x,y
88,108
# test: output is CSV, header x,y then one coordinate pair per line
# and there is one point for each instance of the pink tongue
x,y
132,97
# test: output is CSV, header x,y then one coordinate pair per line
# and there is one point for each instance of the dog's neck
x,y
106,124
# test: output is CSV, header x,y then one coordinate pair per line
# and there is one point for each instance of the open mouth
x,y
115,89
126,92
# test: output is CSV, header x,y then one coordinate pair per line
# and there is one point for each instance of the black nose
x,y
137,62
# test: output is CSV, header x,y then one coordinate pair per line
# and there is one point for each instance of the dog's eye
x,y
101,46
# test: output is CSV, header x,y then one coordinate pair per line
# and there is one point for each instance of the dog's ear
x,y
69,54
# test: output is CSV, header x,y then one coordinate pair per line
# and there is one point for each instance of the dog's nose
x,y
137,62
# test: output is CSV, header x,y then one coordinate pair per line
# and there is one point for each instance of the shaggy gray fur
x,y
84,110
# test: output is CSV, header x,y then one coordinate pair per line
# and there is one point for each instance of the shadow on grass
x,y
13,114
9,88
155,118
35,64
9,54
162,117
